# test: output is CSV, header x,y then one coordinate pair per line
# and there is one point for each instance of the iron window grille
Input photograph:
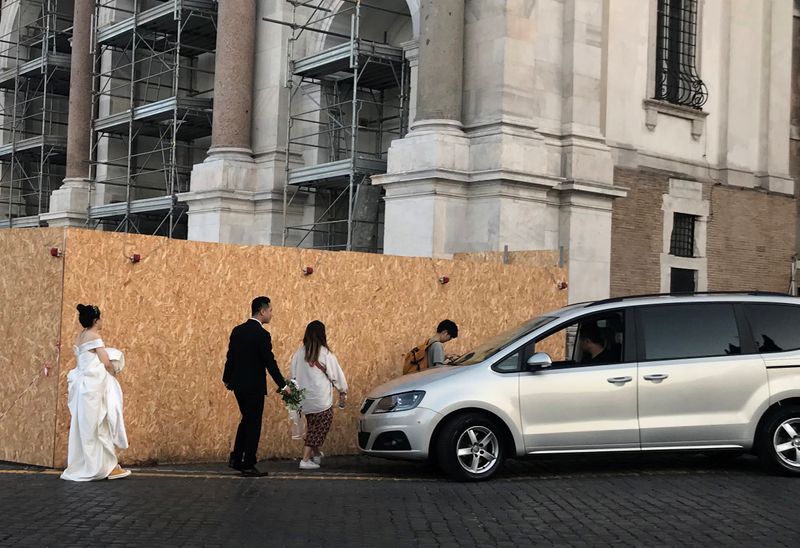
x,y
682,241
677,81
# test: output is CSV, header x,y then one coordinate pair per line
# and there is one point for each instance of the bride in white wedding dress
x,y
95,403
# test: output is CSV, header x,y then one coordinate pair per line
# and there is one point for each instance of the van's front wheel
x,y
779,443
470,448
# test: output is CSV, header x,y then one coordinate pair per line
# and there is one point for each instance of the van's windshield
x,y
497,343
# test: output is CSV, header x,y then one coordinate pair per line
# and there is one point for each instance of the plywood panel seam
x,y
61,338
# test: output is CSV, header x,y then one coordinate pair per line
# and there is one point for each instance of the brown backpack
x,y
416,359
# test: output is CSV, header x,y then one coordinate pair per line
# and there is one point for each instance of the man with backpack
x,y
431,352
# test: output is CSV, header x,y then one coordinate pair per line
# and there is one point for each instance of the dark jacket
x,y
249,356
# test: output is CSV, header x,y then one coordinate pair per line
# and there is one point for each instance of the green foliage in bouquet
x,y
294,402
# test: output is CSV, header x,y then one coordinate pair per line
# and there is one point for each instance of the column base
x,y
69,205
587,159
510,145
424,184
222,198
270,181
229,153
221,216
501,184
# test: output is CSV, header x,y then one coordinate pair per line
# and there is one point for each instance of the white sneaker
x,y
318,458
308,465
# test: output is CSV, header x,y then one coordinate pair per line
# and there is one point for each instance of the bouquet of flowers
x,y
294,405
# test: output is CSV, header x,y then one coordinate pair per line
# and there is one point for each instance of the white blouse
x,y
319,392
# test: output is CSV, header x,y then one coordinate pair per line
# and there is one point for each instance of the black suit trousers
x,y
251,406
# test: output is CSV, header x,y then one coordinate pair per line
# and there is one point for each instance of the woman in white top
x,y
95,403
316,369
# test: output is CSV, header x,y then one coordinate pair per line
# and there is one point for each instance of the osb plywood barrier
x,y
172,314
521,258
30,311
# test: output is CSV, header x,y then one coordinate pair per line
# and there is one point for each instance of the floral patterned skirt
x,y
319,424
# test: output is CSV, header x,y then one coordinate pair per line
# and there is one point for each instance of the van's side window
x,y
689,331
775,327
592,340
509,364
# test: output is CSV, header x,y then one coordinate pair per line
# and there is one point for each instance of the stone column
x,y
441,60
233,77
69,204
222,190
427,169
80,92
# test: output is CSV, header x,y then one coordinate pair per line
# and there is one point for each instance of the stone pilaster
x,y
585,154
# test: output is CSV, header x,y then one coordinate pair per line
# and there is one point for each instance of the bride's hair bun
x,y
87,315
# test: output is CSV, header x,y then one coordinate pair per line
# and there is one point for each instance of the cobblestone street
x,y
356,501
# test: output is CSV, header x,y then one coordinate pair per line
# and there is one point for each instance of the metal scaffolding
x,y
34,87
346,104
152,112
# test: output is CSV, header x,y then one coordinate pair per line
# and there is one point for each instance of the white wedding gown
x,y
95,403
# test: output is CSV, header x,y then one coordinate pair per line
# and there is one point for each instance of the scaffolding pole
x,y
150,58
355,120
34,84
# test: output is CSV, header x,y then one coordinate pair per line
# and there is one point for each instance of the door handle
x,y
656,378
619,380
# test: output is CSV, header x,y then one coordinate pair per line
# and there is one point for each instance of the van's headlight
x,y
399,402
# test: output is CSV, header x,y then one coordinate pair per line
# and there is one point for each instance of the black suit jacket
x,y
249,355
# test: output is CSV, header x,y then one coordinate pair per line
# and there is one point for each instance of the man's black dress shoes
x,y
253,472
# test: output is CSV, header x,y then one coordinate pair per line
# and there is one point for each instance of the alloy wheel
x,y
786,442
477,449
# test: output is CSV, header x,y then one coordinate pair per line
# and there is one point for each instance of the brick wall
x,y
751,239
636,232
751,236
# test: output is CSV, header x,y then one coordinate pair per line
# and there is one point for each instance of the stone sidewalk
x,y
357,501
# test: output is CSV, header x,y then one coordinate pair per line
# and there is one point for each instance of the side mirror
x,y
539,361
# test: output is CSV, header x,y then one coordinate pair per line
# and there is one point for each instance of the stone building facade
x,y
725,165
653,142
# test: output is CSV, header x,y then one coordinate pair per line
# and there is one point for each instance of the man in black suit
x,y
249,355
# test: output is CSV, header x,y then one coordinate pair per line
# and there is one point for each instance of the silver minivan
x,y
701,372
